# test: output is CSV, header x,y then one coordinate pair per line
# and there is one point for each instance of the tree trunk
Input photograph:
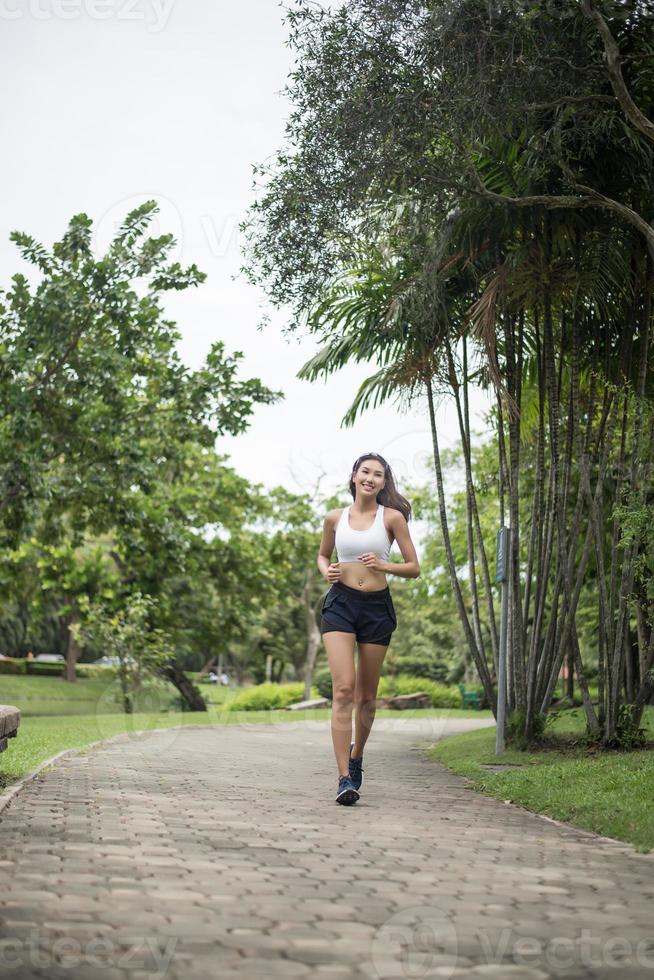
x,y
480,663
72,650
209,665
184,685
472,523
570,679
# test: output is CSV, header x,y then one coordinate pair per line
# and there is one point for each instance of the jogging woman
x,y
359,606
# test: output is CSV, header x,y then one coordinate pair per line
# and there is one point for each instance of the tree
x,y
127,635
96,401
467,202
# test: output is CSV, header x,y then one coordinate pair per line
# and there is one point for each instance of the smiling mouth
x,y
368,486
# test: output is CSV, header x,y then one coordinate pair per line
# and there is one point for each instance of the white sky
x,y
114,102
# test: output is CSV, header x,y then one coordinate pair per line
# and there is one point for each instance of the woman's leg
x,y
371,659
340,657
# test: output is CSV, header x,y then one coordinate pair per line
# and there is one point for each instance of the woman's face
x,y
369,478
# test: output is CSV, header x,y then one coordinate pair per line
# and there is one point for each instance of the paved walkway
x,y
216,853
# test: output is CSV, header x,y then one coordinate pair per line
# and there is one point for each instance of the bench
x,y
419,699
9,722
471,699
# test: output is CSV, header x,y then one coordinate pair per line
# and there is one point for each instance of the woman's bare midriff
x,y
358,576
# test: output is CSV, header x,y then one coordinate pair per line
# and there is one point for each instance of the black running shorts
x,y
369,615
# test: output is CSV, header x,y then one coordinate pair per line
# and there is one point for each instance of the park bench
x,y
9,722
419,699
315,703
471,699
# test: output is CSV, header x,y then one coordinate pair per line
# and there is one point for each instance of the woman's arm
x,y
410,567
405,569
326,550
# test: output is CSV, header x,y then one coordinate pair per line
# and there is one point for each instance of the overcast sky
x,y
114,102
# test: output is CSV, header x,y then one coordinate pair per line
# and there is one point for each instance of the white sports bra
x,y
351,543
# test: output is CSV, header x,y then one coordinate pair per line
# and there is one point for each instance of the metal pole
x,y
501,564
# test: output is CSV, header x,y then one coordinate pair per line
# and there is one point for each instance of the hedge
x,y
426,667
45,668
13,665
265,696
442,696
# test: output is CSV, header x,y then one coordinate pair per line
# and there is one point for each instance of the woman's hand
x,y
373,561
334,572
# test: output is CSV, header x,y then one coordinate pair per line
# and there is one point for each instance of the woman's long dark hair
x,y
389,496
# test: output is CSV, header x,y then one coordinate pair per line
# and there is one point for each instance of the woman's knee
x,y
343,692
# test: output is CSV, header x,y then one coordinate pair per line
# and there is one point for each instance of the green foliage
x,y
441,695
44,668
109,471
629,735
516,728
427,667
54,669
636,519
128,635
266,696
323,682
13,665
93,671
482,217
13,627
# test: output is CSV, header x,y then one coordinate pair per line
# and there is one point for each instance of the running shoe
x,y
347,794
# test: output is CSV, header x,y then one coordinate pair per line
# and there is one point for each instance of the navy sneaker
x,y
347,793
355,769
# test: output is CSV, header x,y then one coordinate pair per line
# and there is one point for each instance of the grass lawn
x,y
38,696
609,793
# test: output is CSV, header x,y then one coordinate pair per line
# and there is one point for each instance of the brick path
x,y
216,853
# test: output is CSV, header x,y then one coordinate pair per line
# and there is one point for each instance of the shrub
x,y
94,670
515,728
177,704
456,673
323,681
427,667
13,665
441,695
628,734
45,669
266,696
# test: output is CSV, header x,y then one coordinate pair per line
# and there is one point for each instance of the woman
x,y
359,605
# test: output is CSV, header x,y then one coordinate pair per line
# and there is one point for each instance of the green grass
x,y
605,792
38,696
